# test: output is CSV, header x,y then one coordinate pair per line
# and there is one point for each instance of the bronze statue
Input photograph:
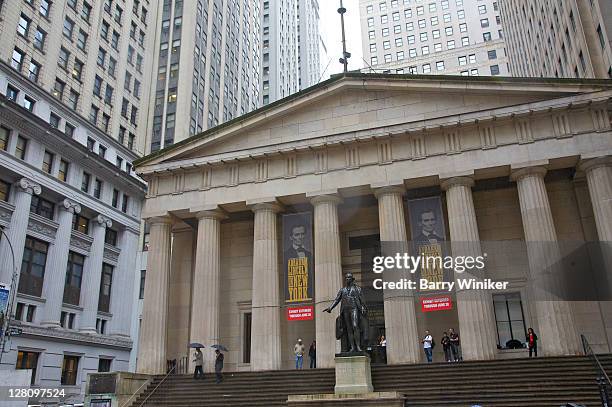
x,y
352,323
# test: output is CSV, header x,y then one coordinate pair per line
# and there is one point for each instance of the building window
x,y
85,181
492,54
28,360
39,39
482,9
143,274
494,69
42,207
105,288
17,59
125,203
62,174
77,71
440,65
74,278
68,28
97,192
110,237
5,189
104,365
70,368
4,138
47,164
29,103
486,36
21,147
509,319
426,68
67,319
82,40
69,129
246,338
93,114
33,267
45,7
115,200
23,26
80,223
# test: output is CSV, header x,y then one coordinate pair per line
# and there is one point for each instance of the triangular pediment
x,y
359,103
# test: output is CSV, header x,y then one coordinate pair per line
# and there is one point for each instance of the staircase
x,y
541,382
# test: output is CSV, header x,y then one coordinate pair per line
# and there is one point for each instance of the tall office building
x,y
93,56
290,47
569,38
206,67
448,37
73,79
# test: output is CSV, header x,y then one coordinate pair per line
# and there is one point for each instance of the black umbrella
x,y
220,347
196,345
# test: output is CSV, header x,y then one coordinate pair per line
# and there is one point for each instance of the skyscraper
x,y
206,67
290,47
73,82
94,57
569,38
433,37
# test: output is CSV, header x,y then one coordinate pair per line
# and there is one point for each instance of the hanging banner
x,y
429,238
5,291
298,265
436,304
303,313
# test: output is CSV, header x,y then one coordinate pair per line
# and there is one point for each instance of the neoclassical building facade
x,y
511,160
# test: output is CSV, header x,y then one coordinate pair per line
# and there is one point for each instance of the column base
x,y
89,331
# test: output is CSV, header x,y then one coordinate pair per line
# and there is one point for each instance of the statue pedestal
x,y
353,387
353,374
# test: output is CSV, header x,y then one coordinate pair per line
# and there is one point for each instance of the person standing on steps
x,y
312,354
455,345
299,349
199,362
427,346
532,342
219,366
446,345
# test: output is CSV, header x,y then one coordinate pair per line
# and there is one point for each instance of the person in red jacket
x,y
532,342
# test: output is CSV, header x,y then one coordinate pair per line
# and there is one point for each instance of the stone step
x,y
541,382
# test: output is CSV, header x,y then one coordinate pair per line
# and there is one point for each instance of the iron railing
x,y
603,380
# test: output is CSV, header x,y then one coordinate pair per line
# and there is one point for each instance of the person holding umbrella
x,y
199,362
219,362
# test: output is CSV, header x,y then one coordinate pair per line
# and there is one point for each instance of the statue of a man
x,y
352,313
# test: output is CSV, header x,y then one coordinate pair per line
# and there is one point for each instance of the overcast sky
x,y
332,35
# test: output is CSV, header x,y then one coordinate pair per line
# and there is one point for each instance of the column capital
x,y
272,206
159,220
593,163
457,181
29,186
325,198
536,171
216,214
104,221
390,190
70,206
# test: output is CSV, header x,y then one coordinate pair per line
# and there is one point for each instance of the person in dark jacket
x,y
532,342
455,345
219,365
445,341
312,354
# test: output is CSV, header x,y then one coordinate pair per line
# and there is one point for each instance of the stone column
x,y
400,317
474,308
122,294
205,307
265,331
55,275
599,179
17,230
152,335
90,290
328,274
556,324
